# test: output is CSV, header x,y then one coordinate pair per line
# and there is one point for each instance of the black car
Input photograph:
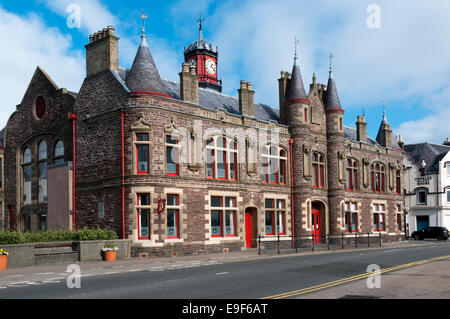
x,y
440,233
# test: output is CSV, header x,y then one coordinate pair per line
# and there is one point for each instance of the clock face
x,y
210,66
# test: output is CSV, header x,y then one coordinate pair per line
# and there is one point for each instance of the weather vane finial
x,y
143,17
384,110
200,21
296,42
331,61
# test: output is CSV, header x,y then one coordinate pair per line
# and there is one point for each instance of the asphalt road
x,y
248,279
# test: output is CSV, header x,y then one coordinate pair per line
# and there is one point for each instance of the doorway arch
x,y
251,226
319,219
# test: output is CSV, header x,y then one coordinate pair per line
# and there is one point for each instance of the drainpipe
x,y
123,176
74,125
291,144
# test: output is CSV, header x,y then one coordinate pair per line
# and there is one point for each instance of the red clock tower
x,y
204,56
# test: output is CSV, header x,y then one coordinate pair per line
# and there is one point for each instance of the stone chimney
x,y
246,99
446,142
102,52
361,129
189,83
283,82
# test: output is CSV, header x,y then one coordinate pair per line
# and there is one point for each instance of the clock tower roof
x,y
200,44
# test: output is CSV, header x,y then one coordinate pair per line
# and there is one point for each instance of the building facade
x,y
2,182
179,167
427,185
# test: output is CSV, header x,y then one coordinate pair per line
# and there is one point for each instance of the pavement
x,y
57,273
428,281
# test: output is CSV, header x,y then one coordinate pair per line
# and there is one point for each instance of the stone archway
x,y
319,218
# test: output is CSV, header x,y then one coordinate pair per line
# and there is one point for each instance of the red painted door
x,y
248,229
315,227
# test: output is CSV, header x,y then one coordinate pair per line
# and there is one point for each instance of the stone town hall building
x,y
181,167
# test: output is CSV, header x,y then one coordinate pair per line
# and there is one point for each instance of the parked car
x,y
439,233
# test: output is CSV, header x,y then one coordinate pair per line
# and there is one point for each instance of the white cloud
x,y
31,43
405,60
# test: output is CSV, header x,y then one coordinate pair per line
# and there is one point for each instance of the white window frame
x,y
418,197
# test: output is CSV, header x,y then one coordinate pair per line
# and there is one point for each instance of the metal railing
x,y
314,242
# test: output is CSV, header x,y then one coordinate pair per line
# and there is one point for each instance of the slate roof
x,y
214,100
430,153
144,76
350,132
331,98
295,89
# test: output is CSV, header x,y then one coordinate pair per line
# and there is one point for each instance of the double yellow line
x,y
350,279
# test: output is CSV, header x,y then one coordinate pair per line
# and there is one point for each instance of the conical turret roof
x,y
144,76
295,89
331,98
384,124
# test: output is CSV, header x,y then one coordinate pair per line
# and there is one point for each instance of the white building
x,y
427,185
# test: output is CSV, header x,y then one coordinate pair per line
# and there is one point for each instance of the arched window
x,y
351,174
377,175
273,165
221,158
27,174
318,170
59,152
42,168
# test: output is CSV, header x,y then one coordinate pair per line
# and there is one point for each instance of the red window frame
x,y
169,148
283,216
137,152
318,166
377,174
177,214
233,160
271,212
139,215
282,171
272,218
377,229
234,234
225,163
398,182
223,209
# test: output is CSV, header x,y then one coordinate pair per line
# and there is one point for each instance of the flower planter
x,y
110,255
3,262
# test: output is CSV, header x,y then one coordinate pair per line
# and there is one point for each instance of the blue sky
x,y
403,62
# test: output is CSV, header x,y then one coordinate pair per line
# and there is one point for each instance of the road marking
x,y
222,273
353,278
134,270
20,284
13,276
111,273
45,273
